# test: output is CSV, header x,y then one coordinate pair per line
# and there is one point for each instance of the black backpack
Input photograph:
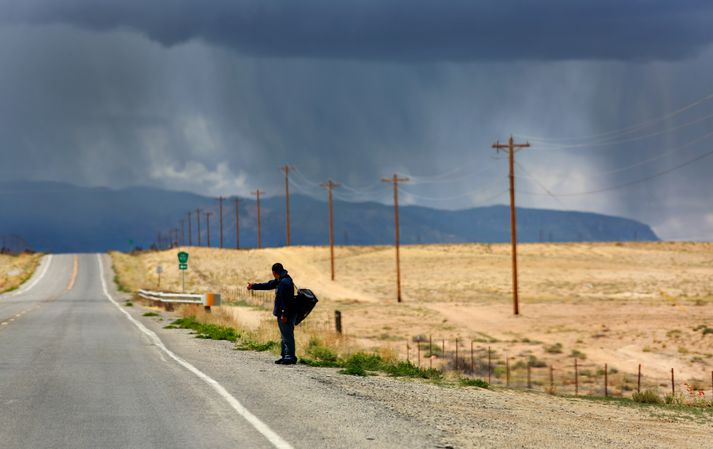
x,y
305,300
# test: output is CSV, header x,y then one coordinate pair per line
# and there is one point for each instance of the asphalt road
x,y
78,369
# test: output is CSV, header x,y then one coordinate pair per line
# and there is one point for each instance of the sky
x,y
213,97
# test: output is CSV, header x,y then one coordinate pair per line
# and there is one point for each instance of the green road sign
x,y
182,266
183,257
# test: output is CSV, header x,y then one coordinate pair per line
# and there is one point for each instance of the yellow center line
x,y
74,275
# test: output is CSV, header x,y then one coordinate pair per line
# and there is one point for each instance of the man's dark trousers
x,y
287,331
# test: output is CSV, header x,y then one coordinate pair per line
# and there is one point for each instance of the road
x,y
78,369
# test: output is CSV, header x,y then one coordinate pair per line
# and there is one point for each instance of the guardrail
x,y
168,299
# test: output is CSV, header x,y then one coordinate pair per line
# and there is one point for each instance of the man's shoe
x,y
288,362
280,361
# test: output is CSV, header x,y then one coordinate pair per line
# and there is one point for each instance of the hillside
x,y
62,218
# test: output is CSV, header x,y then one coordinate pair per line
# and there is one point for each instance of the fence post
x,y
576,378
472,363
430,352
489,367
673,384
552,380
507,371
338,321
606,380
529,378
408,355
418,351
456,355
638,381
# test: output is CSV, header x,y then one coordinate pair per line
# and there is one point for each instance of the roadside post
x,y
183,266
159,270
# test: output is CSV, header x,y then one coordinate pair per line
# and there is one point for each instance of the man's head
x,y
277,270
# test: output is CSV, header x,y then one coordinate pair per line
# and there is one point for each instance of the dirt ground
x,y
14,270
620,304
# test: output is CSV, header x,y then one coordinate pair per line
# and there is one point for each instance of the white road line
x,y
260,426
34,281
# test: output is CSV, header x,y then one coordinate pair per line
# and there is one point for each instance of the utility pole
x,y
286,169
331,185
198,218
237,223
220,202
175,237
395,180
183,232
511,147
207,221
259,236
190,236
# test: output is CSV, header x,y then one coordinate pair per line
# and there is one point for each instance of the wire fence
x,y
574,377
241,296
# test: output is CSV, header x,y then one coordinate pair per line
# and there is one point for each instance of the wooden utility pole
x,y
183,232
220,202
207,222
175,237
237,223
395,180
331,185
511,147
287,169
190,232
198,218
259,236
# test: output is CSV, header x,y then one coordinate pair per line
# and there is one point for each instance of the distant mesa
x,y
66,218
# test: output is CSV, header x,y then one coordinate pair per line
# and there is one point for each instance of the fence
x,y
577,377
257,298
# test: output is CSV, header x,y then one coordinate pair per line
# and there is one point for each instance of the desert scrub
x,y
320,355
554,349
203,330
647,397
16,270
248,342
480,383
578,354
151,314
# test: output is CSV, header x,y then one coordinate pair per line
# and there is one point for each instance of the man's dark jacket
x,y
284,294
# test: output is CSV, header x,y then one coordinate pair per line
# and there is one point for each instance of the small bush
x,y
208,331
408,369
578,354
535,362
554,349
480,383
320,355
360,363
249,343
151,314
647,397
128,304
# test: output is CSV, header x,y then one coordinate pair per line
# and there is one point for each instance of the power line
x,y
627,129
627,140
630,183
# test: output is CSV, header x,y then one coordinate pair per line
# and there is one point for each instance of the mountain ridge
x,y
62,217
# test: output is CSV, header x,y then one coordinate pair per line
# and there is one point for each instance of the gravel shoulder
x,y
317,407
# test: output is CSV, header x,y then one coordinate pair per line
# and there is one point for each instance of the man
x,y
283,310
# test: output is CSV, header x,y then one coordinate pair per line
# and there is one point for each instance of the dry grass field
x,y
14,270
615,303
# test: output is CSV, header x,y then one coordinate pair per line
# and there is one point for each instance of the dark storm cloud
x,y
412,30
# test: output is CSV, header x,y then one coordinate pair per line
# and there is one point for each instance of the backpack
x,y
305,301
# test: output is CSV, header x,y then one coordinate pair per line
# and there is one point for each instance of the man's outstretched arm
x,y
269,285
